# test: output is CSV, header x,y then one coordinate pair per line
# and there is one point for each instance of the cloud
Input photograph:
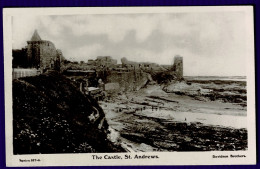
x,y
114,26
51,26
83,52
22,30
209,42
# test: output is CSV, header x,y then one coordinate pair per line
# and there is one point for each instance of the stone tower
x,y
178,66
36,36
41,54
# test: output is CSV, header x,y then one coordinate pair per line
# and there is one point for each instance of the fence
x,y
19,72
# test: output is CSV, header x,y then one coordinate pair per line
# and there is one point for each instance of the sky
x,y
211,43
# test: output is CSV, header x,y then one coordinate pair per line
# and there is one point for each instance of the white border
x,y
165,158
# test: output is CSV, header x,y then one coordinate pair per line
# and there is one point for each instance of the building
x,y
178,66
103,61
141,65
38,54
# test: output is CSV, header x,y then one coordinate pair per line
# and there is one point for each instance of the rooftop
x,y
36,36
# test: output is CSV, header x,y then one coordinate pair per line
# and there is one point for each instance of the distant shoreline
x,y
225,78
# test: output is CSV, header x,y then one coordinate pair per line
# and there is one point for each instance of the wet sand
x,y
153,120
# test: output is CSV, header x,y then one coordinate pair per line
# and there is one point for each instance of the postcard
x,y
115,86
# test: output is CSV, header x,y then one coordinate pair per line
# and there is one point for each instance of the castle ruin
x,y
178,66
103,61
41,55
141,65
38,54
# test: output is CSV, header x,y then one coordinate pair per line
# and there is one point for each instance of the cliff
x,y
129,81
51,115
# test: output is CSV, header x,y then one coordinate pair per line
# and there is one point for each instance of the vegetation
x,y
51,115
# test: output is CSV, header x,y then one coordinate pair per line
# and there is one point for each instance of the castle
x,y
38,54
178,66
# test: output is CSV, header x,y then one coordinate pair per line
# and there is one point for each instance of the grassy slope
x,y
51,115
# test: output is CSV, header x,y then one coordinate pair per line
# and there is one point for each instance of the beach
x,y
155,119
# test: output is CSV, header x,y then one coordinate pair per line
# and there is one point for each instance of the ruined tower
x,y
41,54
178,66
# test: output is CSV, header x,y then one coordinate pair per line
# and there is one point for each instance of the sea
x,y
225,78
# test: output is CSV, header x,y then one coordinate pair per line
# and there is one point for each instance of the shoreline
x,y
144,122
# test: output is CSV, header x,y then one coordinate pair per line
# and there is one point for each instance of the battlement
x,y
42,42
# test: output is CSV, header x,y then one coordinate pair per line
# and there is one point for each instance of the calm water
x,y
227,78
207,119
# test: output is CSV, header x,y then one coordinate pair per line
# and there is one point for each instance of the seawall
x,y
129,81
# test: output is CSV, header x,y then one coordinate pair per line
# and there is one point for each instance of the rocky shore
x,y
51,115
182,116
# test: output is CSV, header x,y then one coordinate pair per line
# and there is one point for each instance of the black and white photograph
x,y
125,86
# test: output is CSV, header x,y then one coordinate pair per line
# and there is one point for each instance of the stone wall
x,y
178,66
59,60
129,81
141,65
105,61
33,54
39,54
42,54
48,55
